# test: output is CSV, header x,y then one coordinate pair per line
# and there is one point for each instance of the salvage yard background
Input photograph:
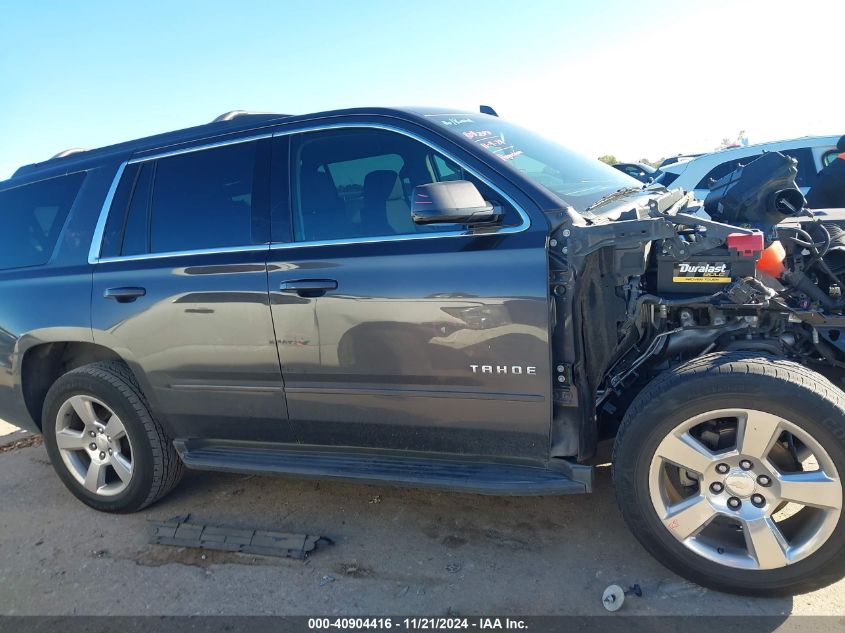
x,y
397,551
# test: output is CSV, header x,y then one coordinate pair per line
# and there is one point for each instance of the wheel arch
x,y
43,363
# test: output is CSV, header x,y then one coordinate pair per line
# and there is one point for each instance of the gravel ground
x,y
397,551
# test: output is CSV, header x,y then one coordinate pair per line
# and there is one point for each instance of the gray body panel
x,y
419,348
384,362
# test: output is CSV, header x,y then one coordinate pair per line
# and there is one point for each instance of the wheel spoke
x,y
811,489
96,476
689,517
757,433
70,440
114,428
765,543
685,451
84,408
122,467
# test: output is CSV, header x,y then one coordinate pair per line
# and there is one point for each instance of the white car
x,y
696,175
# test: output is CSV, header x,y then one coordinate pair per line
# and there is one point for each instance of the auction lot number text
x,y
414,624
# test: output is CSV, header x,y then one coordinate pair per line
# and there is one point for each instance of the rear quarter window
x,y
32,218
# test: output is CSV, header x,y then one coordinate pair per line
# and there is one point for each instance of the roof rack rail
x,y
233,114
68,152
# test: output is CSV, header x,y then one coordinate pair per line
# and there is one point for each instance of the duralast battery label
x,y
701,272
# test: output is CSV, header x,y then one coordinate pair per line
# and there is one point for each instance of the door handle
x,y
124,295
306,287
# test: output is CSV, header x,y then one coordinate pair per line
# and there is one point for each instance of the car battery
x,y
705,273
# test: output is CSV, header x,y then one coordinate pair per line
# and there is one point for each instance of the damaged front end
x,y
658,283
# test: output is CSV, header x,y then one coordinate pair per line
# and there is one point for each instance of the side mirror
x,y
452,201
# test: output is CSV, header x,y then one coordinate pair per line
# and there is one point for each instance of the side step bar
x,y
481,477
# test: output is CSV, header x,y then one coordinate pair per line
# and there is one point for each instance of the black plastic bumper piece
x,y
480,477
181,533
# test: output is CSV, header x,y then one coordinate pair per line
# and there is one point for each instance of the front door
x,y
180,290
398,336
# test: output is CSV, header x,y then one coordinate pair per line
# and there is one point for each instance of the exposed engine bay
x,y
672,278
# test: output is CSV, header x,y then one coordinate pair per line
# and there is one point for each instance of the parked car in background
x,y
640,171
677,159
696,175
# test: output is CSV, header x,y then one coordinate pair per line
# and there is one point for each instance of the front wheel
x,y
729,471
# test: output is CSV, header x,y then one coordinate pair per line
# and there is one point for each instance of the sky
x,y
636,79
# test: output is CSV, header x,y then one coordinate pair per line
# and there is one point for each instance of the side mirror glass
x,y
453,201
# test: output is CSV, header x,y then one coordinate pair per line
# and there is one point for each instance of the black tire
x,y
156,465
723,381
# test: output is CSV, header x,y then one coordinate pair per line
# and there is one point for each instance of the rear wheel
x,y
729,471
103,441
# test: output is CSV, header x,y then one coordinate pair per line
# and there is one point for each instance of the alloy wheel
x,y
745,488
94,445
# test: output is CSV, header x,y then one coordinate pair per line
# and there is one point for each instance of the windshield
x,y
574,178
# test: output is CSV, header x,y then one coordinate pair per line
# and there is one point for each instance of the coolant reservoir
x,y
771,260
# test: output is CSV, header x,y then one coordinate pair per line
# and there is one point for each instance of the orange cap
x,y
771,259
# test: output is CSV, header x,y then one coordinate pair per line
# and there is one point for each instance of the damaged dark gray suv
x,y
442,299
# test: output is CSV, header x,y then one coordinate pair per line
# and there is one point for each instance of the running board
x,y
481,477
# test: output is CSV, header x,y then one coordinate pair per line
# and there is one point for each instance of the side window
x,y
213,198
281,224
113,233
138,212
806,166
720,171
358,183
446,170
202,199
33,216
126,229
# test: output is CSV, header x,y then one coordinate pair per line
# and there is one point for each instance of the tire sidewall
x,y
73,384
819,417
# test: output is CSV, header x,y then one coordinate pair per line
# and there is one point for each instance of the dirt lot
x,y
396,551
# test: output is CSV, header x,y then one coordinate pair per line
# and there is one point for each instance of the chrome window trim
x,y
99,229
199,148
96,242
200,251
522,226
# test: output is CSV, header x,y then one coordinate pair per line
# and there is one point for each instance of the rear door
x,y
398,336
180,289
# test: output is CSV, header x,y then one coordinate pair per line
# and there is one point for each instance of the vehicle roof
x,y
65,162
677,158
644,166
722,155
